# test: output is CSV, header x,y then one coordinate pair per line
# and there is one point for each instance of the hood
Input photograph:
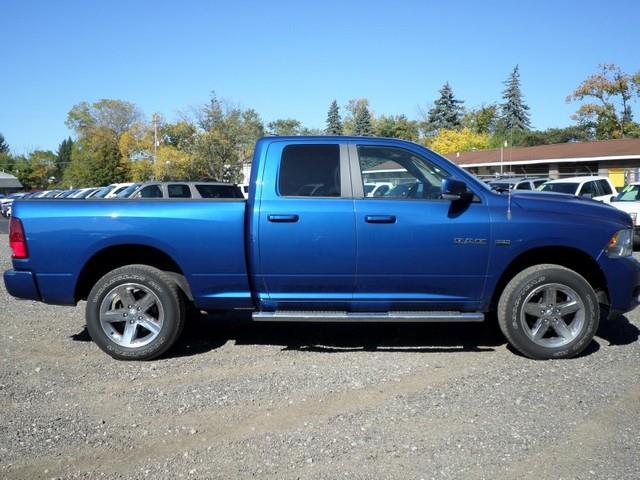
x,y
564,204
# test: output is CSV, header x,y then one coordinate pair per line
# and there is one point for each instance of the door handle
x,y
283,218
380,218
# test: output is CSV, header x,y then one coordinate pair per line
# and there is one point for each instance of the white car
x,y
598,188
116,188
628,200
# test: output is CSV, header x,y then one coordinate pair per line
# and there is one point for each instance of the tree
x,y
483,119
398,126
284,127
362,122
63,156
514,113
4,146
609,116
115,115
334,122
449,141
446,111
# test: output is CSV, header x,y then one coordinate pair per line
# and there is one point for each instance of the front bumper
x,y
21,284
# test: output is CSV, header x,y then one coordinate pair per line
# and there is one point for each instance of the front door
x,y
415,250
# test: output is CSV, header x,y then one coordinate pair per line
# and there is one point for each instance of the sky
x,y
290,59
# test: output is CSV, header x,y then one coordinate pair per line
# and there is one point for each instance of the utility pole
x,y
155,118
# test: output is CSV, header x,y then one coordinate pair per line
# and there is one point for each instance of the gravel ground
x,y
237,399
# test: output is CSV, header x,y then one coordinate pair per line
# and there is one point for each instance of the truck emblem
x,y
469,241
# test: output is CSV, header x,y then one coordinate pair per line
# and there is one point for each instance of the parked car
x,y
186,190
67,193
598,188
83,192
628,200
244,188
116,188
506,184
542,262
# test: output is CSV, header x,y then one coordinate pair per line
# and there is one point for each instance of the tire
x,y
135,312
548,311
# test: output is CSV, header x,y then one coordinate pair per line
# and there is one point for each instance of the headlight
x,y
621,244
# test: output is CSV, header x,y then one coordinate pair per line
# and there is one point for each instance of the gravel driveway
x,y
237,400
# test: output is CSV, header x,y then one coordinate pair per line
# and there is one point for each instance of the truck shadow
x,y
208,332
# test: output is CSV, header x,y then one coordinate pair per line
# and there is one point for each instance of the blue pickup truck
x,y
309,245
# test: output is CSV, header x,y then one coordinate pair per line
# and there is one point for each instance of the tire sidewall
x,y
515,304
149,280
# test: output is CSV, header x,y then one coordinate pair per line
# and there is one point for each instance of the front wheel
x,y
135,313
548,311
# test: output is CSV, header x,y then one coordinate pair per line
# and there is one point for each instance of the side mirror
x,y
453,189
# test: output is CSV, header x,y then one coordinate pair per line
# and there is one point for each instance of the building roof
x,y
9,181
628,148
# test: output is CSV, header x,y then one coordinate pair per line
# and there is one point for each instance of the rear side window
x,y
523,186
219,191
604,187
589,188
151,191
310,171
178,190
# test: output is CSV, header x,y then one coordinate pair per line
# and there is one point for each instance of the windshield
x,y
102,192
567,187
368,188
630,193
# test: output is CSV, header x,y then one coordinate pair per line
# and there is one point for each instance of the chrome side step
x,y
399,316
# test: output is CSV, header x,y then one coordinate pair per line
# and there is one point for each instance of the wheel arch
x,y
115,256
569,257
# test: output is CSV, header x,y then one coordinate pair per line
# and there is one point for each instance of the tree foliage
x,y
608,113
362,122
450,141
446,112
4,146
483,119
514,112
285,127
396,126
334,122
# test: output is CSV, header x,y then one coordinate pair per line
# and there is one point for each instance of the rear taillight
x,y
17,240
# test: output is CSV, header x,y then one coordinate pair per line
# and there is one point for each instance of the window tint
x,y
219,191
589,188
561,187
151,191
537,183
604,187
523,186
630,193
404,174
178,190
310,171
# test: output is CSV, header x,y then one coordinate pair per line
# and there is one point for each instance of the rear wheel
x,y
135,313
548,311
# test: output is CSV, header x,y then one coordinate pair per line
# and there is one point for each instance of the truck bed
x,y
204,237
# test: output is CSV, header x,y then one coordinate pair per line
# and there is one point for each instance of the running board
x,y
312,316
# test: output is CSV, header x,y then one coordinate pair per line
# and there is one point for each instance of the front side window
x,y
310,171
604,187
523,186
397,173
178,190
151,191
589,189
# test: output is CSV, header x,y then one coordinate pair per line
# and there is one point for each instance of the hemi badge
x,y
503,243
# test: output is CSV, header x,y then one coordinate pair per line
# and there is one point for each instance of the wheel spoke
x,y
550,294
146,302
562,329
532,308
539,329
150,325
129,334
111,316
126,295
566,308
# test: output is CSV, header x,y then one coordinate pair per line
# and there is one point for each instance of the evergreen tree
x,y
362,121
4,147
63,155
446,111
514,113
334,123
